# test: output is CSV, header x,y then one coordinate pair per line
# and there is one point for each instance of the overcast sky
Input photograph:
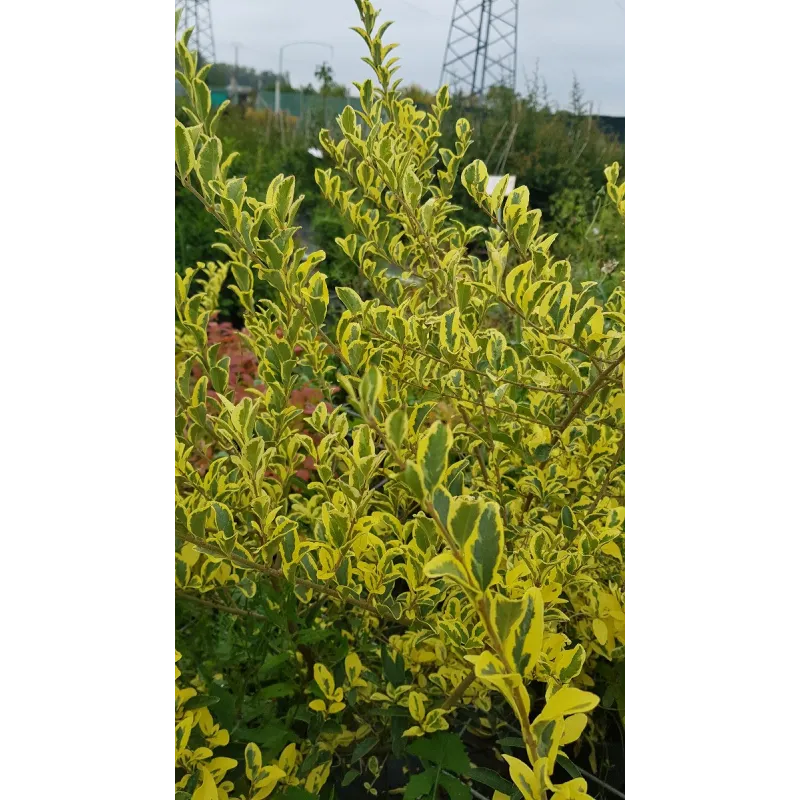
x,y
586,37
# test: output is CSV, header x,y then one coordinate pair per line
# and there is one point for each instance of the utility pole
x,y
280,68
233,88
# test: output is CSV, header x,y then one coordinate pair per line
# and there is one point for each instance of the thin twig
x,y
612,467
458,692
589,393
220,607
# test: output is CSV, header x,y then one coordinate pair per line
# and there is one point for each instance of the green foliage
x,y
456,559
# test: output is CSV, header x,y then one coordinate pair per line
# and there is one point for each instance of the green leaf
x,y
352,302
363,748
347,120
225,710
412,477
284,196
200,701
271,737
297,793
203,96
542,452
443,749
559,304
397,427
564,367
568,766
208,160
445,565
442,501
450,331
474,177
455,789
488,777
243,276
281,689
393,669
399,742
573,667
412,188
349,777
224,520
371,390
511,741
463,519
271,663
318,298
420,784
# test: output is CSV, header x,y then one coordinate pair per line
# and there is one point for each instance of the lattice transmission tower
x,y
197,14
481,46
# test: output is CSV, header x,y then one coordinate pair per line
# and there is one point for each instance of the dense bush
x,y
452,570
558,154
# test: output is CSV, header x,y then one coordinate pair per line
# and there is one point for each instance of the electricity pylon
x,y
197,14
481,46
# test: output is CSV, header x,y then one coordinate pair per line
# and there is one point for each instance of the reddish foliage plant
x,y
243,374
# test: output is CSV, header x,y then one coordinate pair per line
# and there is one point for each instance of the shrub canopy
x,y
456,554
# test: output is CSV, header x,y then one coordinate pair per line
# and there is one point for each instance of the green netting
x,y
295,103
298,104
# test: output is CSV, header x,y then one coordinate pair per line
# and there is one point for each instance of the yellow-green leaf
x,y
352,666
317,777
318,298
523,778
184,150
207,789
446,566
485,546
324,679
489,668
432,453
416,706
371,390
450,331
600,630
568,700
573,728
208,158
464,514
397,427
612,549
252,760
529,631
569,663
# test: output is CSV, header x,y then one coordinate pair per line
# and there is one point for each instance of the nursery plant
x,y
452,569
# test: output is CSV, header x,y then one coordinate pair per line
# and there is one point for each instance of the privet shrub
x,y
456,560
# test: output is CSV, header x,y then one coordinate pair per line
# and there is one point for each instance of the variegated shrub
x,y
464,526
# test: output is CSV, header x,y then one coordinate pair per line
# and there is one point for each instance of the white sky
x,y
586,37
